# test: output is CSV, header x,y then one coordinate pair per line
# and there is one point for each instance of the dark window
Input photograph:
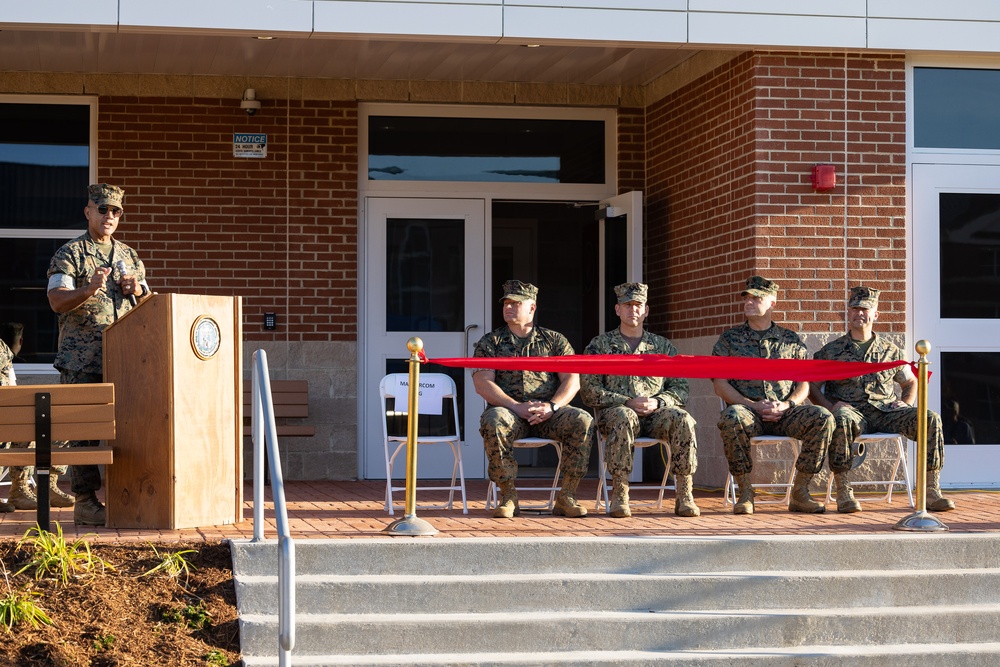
x,y
970,255
956,108
44,172
425,275
970,400
403,148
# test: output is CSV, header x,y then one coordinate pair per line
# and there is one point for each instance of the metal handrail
x,y
263,425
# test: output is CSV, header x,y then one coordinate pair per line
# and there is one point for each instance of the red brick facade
x,y
728,192
724,162
281,232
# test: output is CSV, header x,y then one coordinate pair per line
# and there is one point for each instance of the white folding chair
x,y
532,443
779,442
602,466
897,455
387,390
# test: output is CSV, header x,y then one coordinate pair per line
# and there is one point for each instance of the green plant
x,y
194,616
215,657
51,555
173,563
19,607
104,642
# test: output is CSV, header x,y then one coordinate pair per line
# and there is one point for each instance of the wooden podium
x,y
175,361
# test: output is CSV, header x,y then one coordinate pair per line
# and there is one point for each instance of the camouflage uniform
x,y
620,426
79,357
872,396
81,329
811,424
6,364
500,427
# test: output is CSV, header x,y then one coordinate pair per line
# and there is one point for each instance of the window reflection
x,y
970,255
522,150
970,401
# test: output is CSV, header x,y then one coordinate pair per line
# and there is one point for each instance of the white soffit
x,y
618,26
476,21
262,16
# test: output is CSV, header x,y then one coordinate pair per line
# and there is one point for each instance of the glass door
x,y
424,277
956,306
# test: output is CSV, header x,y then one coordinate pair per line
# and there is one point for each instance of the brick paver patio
x,y
350,510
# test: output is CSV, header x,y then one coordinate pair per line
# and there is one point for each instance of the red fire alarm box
x,y
823,177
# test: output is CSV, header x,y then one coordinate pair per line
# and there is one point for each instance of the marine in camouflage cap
x,y
529,403
519,291
760,286
103,194
863,297
627,292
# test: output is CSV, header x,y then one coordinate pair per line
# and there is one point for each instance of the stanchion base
x,y
410,525
920,522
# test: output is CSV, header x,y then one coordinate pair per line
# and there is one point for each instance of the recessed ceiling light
x,y
532,46
263,38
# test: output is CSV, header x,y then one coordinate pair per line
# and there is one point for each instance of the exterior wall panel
x,y
958,10
933,35
777,30
264,15
618,25
657,5
57,12
469,19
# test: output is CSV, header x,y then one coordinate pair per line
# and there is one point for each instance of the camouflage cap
x,y
631,292
518,291
863,297
760,286
102,193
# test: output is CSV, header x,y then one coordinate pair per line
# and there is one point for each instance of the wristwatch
x,y
553,406
791,403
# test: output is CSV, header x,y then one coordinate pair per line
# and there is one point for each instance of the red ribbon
x,y
679,366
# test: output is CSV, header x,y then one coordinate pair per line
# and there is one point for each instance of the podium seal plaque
x,y
205,337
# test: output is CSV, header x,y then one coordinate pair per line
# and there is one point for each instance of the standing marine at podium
x,y
93,280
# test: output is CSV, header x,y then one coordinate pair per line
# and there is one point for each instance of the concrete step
x,y
965,655
859,600
504,633
318,594
443,556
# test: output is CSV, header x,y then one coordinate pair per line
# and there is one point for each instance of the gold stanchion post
x,y
410,524
921,520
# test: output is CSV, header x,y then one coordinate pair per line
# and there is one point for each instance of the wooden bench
x,y
43,413
291,401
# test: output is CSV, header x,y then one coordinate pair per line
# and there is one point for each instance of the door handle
x,y
469,328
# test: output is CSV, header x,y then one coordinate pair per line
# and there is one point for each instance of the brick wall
x,y
631,149
728,192
281,232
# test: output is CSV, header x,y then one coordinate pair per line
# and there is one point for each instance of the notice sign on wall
x,y
249,145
